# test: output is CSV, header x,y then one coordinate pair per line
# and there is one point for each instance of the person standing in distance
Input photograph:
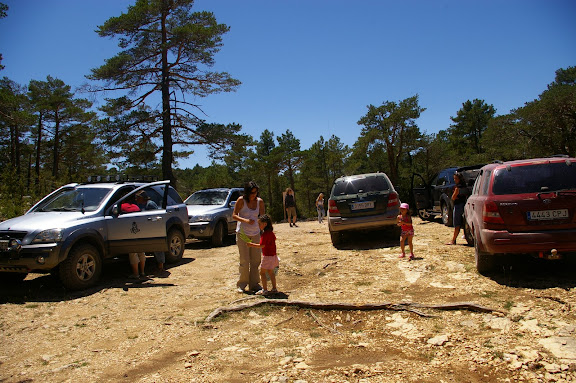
x,y
320,207
246,211
290,206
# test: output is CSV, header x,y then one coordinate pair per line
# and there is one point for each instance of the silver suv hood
x,y
203,209
41,221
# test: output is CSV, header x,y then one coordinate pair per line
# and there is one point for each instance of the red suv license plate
x,y
542,215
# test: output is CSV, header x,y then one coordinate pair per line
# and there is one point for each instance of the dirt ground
x,y
155,330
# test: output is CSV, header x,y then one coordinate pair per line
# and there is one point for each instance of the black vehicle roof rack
x,y
121,178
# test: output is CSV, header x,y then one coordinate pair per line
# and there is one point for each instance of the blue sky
x,y
312,66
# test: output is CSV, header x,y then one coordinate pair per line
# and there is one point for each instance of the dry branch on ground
x,y
404,306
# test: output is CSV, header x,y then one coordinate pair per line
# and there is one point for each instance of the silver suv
x,y
72,230
210,213
362,202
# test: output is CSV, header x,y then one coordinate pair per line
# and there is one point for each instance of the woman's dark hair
x,y
248,186
460,177
266,218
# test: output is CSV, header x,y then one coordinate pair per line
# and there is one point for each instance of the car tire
x,y
468,233
8,279
336,238
218,235
425,216
176,245
447,218
82,268
484,261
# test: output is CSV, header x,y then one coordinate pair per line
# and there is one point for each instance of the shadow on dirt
x,y
202,244
368,240
531,273
47,288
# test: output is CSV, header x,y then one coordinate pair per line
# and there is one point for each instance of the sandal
x,y
411,257
402,255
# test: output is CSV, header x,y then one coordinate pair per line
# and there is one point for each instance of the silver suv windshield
x,y
74,199
212,197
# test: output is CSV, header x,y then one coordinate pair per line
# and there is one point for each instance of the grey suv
x,y
72,230
362,202
210,214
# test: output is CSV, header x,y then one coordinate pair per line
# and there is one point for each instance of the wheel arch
x,y
80,237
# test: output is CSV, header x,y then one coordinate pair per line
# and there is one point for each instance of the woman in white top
x,y
320,207
246,212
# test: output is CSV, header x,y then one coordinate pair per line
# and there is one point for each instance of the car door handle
x,y
154,219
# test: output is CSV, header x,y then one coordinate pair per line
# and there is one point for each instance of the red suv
x,y
525,207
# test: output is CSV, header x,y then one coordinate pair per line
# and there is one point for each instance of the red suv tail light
x,y
333,208
490,213
393,200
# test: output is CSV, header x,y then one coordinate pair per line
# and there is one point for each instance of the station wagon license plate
x,y
4,244
542,215
362,205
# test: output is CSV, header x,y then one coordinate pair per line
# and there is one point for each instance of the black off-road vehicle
x,y
434,197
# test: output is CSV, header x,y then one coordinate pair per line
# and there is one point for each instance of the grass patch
x,y
487,294
362,283
32,306
315,334
508,305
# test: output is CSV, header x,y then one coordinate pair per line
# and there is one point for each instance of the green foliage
x,y
471,121
391,129
167,50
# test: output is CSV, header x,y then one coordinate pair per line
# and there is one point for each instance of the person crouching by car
x,y
145,203
137,260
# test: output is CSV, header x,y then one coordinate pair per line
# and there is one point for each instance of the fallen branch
x,y
405,306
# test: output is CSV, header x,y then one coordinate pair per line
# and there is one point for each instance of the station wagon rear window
x,y
548,177
361,185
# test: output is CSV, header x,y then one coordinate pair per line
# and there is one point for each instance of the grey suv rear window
x,y
533,178
360,185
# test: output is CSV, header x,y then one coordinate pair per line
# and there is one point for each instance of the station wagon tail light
x,y
490,213
393,200
333,208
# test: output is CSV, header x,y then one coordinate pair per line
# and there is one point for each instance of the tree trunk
x,y
38,150
55,146
167,155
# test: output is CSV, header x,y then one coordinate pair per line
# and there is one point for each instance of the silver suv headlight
x,y
201,218
48,236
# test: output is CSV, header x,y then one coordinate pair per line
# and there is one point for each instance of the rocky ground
x,y
155,330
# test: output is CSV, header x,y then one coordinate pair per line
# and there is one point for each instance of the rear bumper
x,y
495,242
336,224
